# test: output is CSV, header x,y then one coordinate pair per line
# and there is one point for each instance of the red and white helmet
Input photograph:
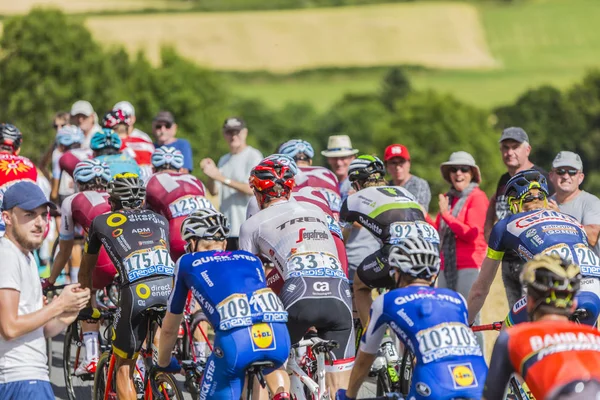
x,y
116,117
272,179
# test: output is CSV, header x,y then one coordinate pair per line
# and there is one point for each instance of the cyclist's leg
x,y
510,276
278,380
124,378
75,261
372,273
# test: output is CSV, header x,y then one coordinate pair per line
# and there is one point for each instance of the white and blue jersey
x,y
432,323
248,318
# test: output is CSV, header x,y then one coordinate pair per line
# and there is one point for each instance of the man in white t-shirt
x,y
24,320
229,177
566,176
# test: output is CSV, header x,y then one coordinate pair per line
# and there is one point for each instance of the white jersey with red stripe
x,y
295,237
141,150
323,180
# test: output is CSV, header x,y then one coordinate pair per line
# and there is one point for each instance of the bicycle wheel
x,y
196,319
78,387
101,376
406,370
165,387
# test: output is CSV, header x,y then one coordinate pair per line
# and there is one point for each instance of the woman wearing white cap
x,y
460,223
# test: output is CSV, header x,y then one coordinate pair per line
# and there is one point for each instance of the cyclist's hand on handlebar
x,y
341,395
173,367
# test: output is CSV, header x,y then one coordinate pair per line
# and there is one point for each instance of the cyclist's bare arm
x,y
490,218
88,263
500,370
64,253
481,287
168,337
361,368
592,232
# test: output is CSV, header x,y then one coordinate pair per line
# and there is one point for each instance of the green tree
x,y
395,86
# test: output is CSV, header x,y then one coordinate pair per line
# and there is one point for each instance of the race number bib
x,y
446,340
238,311
590,285
589,263
562,250
148,262
334,199
412,229
314,265
186,205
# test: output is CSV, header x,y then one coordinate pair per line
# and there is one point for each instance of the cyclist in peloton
x,y
139,148
106,145
296,238
431,322
80,209
173,194
68,137
390,213
534,229
137,242
319,178
558,359
248,318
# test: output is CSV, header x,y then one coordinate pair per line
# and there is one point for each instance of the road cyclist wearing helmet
x,y
558,359
431,322
173,194
390,213
106,145
533,228
139,148
316,177
295,237
68,137
248,318
137,242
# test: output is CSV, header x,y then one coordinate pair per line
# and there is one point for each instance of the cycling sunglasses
x,y
562,171
530,197
463,169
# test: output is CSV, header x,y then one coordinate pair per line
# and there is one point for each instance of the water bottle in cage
x,y
390,351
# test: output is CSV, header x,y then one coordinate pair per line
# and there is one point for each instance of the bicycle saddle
x,y
259,366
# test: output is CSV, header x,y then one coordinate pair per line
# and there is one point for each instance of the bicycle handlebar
x,y
494,326
317,343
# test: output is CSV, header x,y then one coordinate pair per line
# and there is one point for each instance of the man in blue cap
x,y
24,320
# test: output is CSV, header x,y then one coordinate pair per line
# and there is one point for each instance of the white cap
x,y
339,146
567,159
126,107
82,107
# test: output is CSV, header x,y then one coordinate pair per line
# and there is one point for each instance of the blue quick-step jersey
x,y
433,324
544,232
230,286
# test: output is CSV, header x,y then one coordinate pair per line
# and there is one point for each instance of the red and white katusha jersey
x,y
81,209
14,169
173,194
71,158
141,151
325,181
306,194
295,237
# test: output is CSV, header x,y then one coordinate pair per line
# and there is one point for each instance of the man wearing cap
x,y
339,154
566,176
24,320
229,177
83,116
165,129
127,107
397,164
515,150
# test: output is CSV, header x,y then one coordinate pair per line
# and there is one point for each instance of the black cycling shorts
x,y
374,271
325,304
131,326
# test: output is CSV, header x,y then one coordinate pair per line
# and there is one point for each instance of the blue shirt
x,y
230,286
121,164
185,148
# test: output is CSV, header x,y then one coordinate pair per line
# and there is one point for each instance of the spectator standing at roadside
x,y
84,116
460,224
566,176
127,108
52,154
397,163
24,320
515,150
165,129
229,177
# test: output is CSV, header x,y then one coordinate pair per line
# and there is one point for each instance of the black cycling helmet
x,y
365,168
552,281
127,189
11,136
207,224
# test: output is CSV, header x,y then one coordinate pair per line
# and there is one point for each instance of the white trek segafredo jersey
x,y
295,237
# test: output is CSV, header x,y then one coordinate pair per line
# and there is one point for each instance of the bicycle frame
x,y
317,388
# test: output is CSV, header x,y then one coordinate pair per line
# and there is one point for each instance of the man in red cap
x,y
397,163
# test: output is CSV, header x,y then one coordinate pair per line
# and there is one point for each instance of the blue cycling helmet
x,y
522,182
106,138
68,135
167,156
296,146
284,159
88,170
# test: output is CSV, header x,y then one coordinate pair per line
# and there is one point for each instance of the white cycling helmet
x,y
416,257
167,157
206,224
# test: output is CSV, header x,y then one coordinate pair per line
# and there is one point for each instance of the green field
x,y
535,43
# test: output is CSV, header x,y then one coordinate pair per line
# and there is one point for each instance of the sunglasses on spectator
x,y
167,125
462,169
562,171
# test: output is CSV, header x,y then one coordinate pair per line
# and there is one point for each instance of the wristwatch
x,y
227,181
